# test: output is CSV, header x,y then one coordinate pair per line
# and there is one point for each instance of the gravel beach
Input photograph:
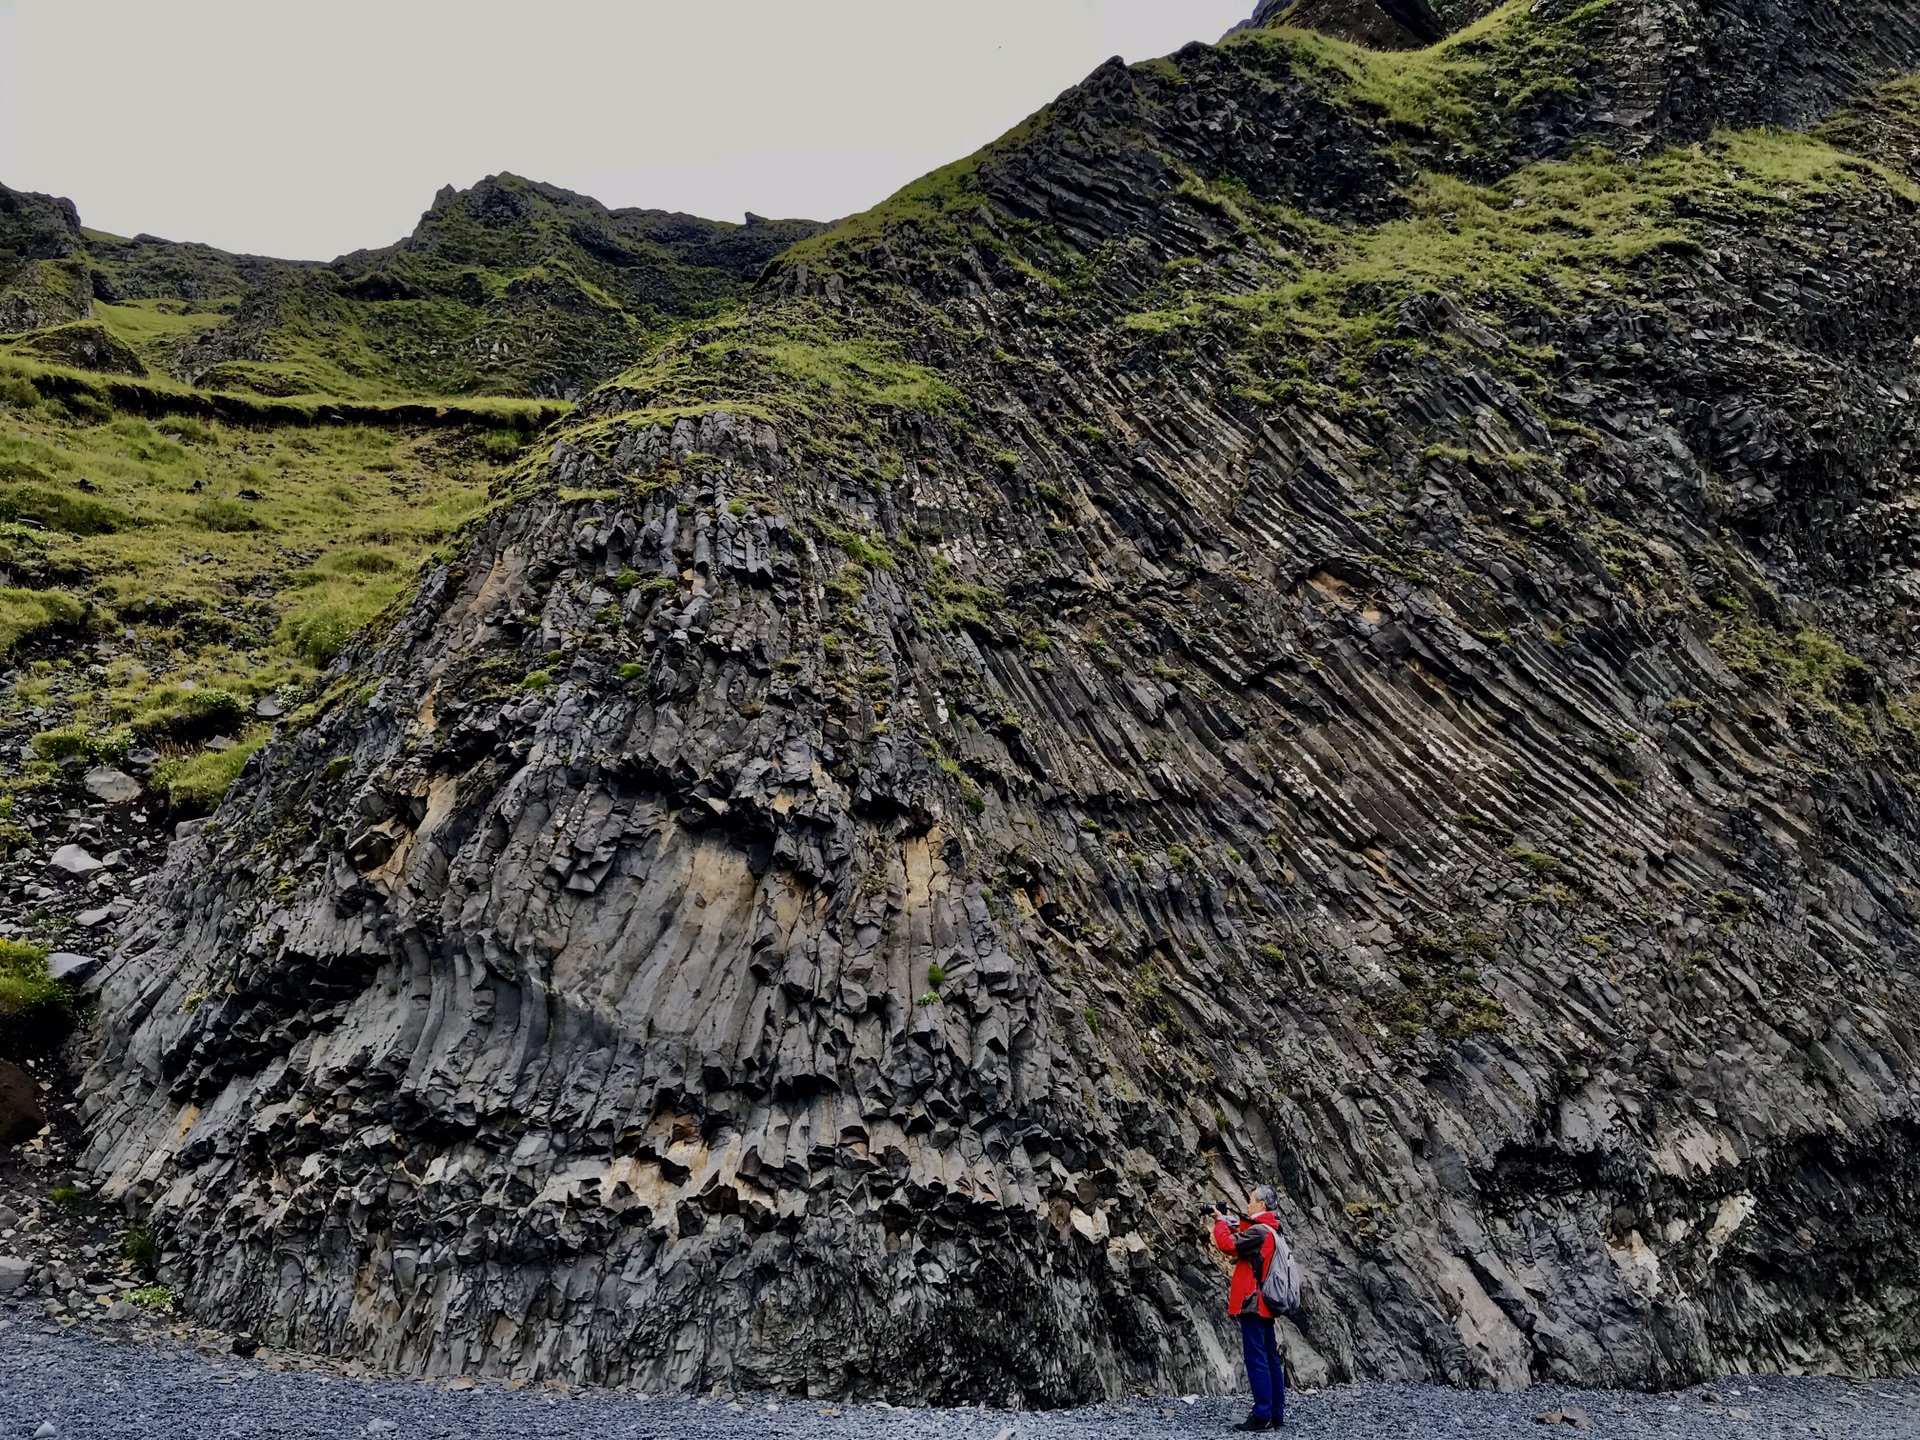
x,y
92,1386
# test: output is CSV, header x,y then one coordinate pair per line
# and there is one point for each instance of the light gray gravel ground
x,y
92,1387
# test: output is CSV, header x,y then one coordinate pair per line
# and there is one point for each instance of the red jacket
x,y
1255,1253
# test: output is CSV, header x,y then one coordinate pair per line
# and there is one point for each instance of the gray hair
x,y
1264,1197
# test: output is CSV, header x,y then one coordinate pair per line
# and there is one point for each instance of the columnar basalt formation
x,y
1294,619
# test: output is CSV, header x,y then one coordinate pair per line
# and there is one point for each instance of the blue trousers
x,y
1264,1369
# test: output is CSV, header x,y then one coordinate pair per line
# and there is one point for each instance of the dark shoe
x,y
1254,1426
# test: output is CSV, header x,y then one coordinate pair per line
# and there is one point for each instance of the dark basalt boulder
x,y
21,1117
1236,637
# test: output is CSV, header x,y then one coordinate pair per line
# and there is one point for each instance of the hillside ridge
x,y
510,287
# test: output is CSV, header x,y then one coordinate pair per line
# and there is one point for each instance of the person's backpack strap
x,y
1249,1244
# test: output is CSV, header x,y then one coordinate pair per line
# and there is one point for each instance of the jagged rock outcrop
x,y
40,281
1249,631
1382,24
508,288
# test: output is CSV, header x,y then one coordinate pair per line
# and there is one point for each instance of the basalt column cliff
x,y
1335,614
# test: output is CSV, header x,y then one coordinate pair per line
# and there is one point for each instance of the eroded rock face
x,y
21,1117
42,279
840,871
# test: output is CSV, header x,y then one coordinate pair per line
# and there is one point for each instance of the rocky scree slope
x,y
1296,618
509,288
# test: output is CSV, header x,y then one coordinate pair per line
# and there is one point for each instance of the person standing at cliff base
x,y
1255,1300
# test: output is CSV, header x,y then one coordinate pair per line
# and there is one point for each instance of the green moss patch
x,y
36,1011
29,615
197,783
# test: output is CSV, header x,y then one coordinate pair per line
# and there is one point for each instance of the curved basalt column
x,y
921,790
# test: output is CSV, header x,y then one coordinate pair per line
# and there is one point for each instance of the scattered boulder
x,y
1572,1418
71,968
74,860
21,1117
13,1273
245,1346
115,787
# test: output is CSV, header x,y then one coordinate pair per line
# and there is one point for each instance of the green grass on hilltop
x,y
153,329
797,369
1552,236
154,398
166,573
510,288
1470,87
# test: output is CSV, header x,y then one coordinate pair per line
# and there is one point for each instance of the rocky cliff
x,y
509,288
40,283
1312,614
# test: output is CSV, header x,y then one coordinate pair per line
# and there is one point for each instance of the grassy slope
x,y
164,574
173,552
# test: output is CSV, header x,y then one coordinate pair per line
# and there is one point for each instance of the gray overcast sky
x,y
306,129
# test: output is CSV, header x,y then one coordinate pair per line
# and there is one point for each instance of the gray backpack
x,y
1280,1286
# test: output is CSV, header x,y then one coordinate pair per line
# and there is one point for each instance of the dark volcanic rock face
x,y
41,283
1242,634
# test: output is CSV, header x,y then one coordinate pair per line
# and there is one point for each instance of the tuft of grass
x,y
1808,665
197,783
227,517
25,985
1534,860
860,549
954,603
321,625
181,716
140,1248
58,510
29,615
18,392
81,742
